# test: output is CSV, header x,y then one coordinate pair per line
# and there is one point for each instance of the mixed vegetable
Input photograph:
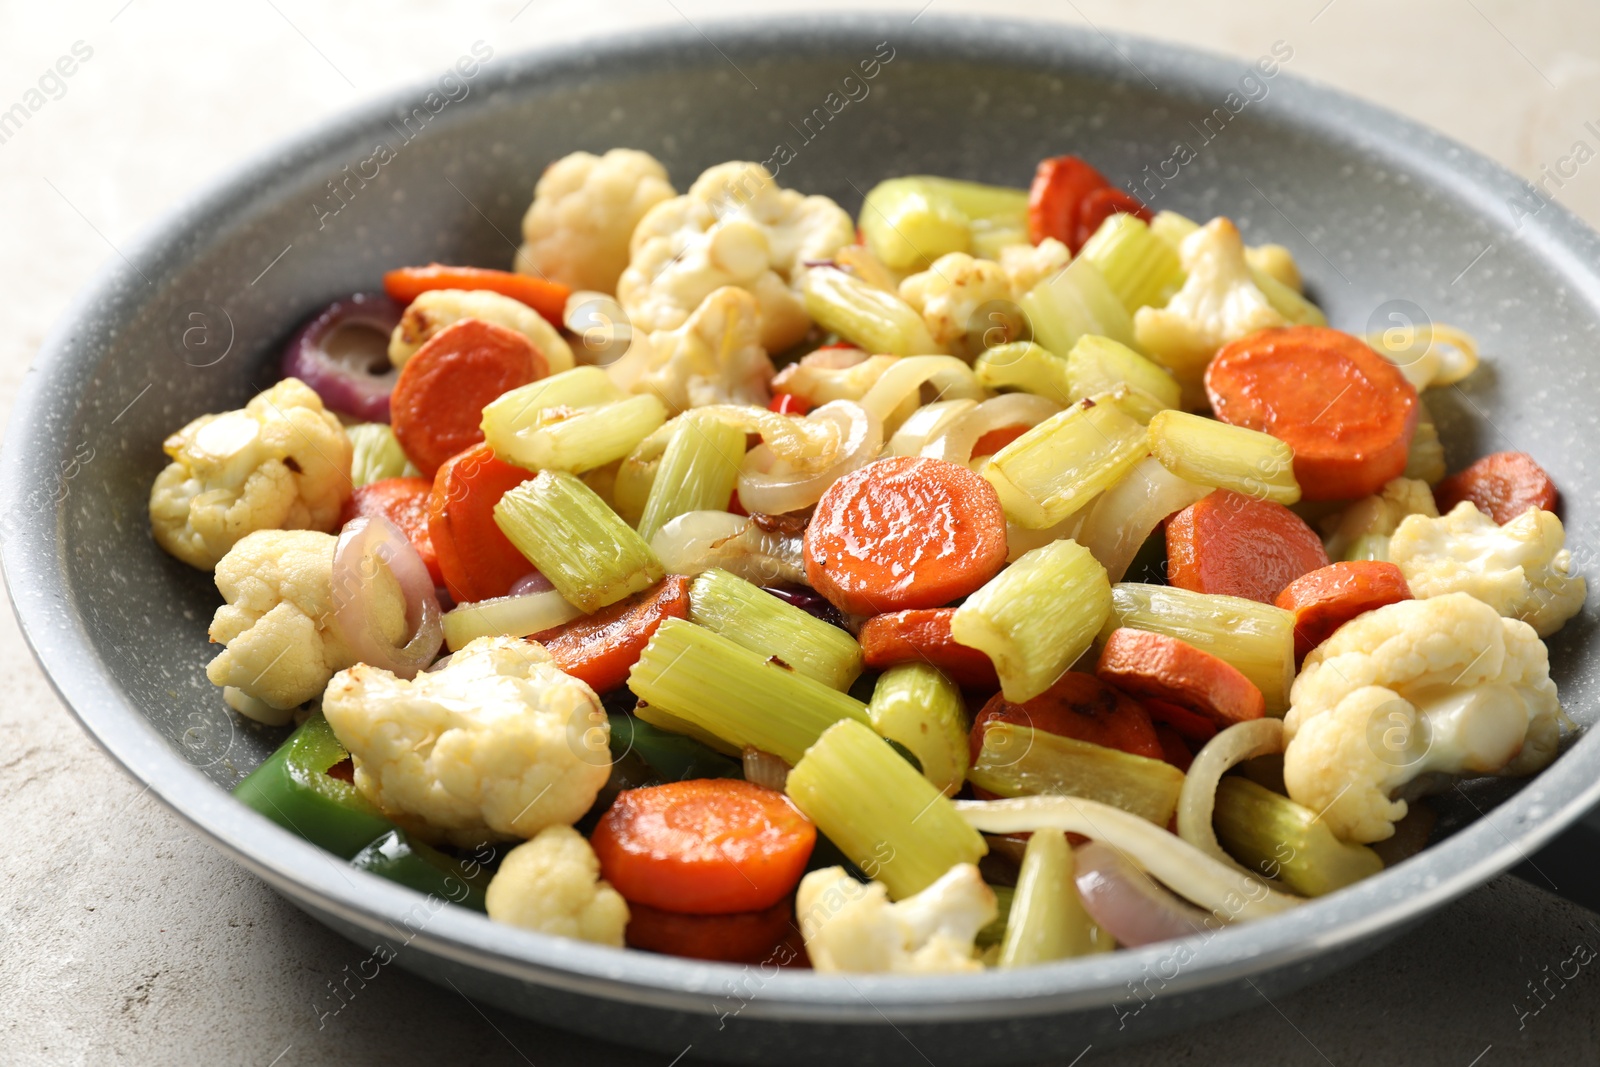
x,y
1001,577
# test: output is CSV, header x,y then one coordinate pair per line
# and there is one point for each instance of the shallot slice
x,y
366,543
1133,909
343,354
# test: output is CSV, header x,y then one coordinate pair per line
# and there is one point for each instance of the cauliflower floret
x,y
736,227
853,927
1277,263
1407,693
1218,303
438,308
280,463
715,357
1519,569
552,884
1378,515
493,745
1028,265
948,295
584,210
281,640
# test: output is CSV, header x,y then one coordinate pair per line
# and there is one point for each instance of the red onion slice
x,y
343,354
1128,903
366,542
530,583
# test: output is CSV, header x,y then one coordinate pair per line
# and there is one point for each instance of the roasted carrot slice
x,y
923,636
995,440
1327,598
1347,412
904,532
601,648
1193,727
1173,747
743,937
1079,706
1502,486
1099,205
1236,545
404,502
1059,187
477,561
1155,666
546,297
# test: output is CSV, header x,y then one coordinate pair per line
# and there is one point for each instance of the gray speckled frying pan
x,y
1375,208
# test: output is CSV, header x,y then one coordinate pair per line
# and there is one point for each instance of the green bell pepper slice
x,y
399,858
674,757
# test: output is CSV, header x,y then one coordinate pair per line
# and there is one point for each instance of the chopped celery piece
x,y
1036,617
1209,452
739,696
1172,227
1256,638
995,932
1099,364
1073,302
513,616
997,204
1286,302
636,475
755,619
1140,267
1046,920
923,710
669,723
910,222
377,455
876,320
1024,367
1019,761
989,238
697,471
577,441
879,811
1055,468
1273,835
1368,546
514,411
1425,460
589,554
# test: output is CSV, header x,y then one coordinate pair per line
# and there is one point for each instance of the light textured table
x,y
125,938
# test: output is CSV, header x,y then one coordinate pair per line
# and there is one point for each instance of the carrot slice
x,y
1347,412
601,648
1059,187
1502,486
1101,204
1152,665
1173,747
742,937
477,560
1235,545
404,502
1079,706
1327,598
437,405
904,532
995,440
1191,726
707,846
923,636
546,297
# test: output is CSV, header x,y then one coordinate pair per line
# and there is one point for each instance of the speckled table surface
x,y
125,938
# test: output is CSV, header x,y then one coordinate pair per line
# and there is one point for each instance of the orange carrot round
x,y
1236,545
437,405
601,648
1327,598
923,636
404,502
742,937
546,297
995,440
1101,204
478,562
1156,666
1174,749
1193,727
1059,187
1347,412
1079,706
704,846
904,532
1502,486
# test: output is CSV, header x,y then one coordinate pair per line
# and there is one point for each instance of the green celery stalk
x,y
520,409
1019,761
876,320
377,455
1098,365
755,619
1286,302
1208,452
1022,366
1055,468
1141,268
1271,834
697,471
581,440
909,222
916,705
1073,302
1046,920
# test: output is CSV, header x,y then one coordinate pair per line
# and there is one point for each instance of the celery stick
x,y
1019,761
1036,617
919,707
1272,834
876,320
888,819
582,440
519,409
989,203
514,616
1172,227
755,619
636,474
377,454
1099,364
1213,453
1425,460
740,696
909,223
670,723
1046,920
589,554
1286,302
1140,267
1256,638
1055,468
697,472
1023,366
1073,302
1368,546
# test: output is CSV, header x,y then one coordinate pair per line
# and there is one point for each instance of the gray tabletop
x,y
124,937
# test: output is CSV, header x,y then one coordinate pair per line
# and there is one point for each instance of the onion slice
x,y
765,769
365,542
1133,909
924,423
343,354
955,441
767,484
697,541
1127,513
519,615
1198,798
950,378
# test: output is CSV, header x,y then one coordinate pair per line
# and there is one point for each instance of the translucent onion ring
x,y
915,432
696,541
1198,798
364,538
806,444
765,769
1133,909
951,378
768,485
521,615
956,440
1127,513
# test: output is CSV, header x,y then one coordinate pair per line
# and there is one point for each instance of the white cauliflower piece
x,y
715,357
491,746
1519,569
438,308
1412,691
552,884
734,227
948,295
1379,514
584,210
1218,303
281,640
280,463
1028,265
852,927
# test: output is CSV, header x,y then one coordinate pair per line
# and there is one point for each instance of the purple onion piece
x,y
343,354
808,601
530,583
